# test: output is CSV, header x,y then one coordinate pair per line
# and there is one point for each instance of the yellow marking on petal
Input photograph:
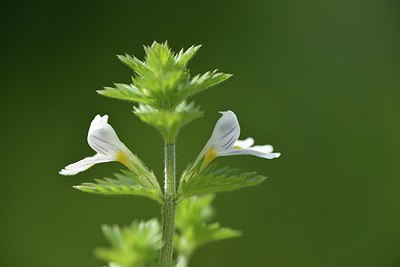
x,y
236,147
210,155
123,158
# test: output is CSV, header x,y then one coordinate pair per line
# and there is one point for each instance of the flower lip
x,y
84,164
248,142
224,142
103,139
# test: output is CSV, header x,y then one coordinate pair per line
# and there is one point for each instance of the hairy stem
x,y
169,206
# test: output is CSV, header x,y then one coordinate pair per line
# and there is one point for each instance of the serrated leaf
x,y
202,82
163,76
194,211
193,217
126,92
162,79
127,183
183,57
132,246
211,233
215,232
168,122
213,180
135,64
159,57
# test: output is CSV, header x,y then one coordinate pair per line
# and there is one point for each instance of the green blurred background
x,y
319,80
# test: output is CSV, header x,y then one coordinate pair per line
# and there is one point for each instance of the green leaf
x,y
127,183
159,58
193,221
202,82
211,233
127,92
183,57
135,64
132,246
162,79
168,122
195,211
161,76
213,180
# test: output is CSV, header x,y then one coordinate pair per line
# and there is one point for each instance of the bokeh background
x,y
319,80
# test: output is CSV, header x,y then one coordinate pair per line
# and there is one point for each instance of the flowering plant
x,y
161,87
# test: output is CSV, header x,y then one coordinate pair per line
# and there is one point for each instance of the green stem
x,y
169,206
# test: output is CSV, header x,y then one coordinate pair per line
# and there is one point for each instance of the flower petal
x,y
226,132
264,149
102,138
97,123
84,164
248,142
258,151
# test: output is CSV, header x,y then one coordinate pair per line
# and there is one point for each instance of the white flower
x,y
224,142
103,139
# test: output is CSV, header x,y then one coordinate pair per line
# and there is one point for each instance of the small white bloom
x,y
224,142
103,139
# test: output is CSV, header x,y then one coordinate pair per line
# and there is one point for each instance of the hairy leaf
x,y
202,82
183,57
193,221
162,79
127,92
132,246
213,180
127,183
135,64
168,122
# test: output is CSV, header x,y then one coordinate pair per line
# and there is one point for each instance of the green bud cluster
x,y
161,86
